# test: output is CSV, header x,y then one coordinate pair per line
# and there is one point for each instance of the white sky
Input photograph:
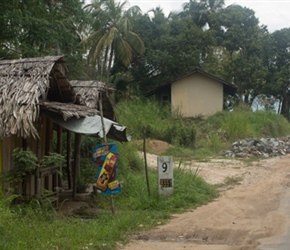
x,y
273,13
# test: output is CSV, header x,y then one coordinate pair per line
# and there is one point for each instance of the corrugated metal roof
x,y
91,125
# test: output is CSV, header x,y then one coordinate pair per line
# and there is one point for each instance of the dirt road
x,y
252,215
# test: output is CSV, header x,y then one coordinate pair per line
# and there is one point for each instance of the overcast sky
x,y
273,13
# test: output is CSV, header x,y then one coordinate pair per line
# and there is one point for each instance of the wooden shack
x,y
34,95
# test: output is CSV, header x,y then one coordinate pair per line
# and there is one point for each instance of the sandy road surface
x,y
244,217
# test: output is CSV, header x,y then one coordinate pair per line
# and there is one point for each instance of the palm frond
x,y
123,51
112,35
95,36
125,26
136,43
101,45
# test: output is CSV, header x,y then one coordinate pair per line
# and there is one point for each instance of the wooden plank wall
x,y
44,179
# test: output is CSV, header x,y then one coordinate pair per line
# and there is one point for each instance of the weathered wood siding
x,y
45,178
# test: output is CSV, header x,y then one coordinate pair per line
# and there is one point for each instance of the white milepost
x,y
165,175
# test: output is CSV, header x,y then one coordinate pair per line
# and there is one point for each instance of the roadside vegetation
x,y
38,225
195,137
134,51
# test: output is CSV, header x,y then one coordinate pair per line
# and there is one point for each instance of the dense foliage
x,y
39,28
138,51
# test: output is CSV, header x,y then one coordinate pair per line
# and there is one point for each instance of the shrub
x,y
26,162
181,133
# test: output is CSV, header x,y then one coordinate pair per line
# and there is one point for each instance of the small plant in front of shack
x,y
26,163
52,159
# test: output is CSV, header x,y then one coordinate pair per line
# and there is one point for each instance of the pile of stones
x,y
264,147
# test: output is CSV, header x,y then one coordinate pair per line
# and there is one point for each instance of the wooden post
x,y
68,159
76,170
47,136
59,151
102,118
105,140
145,160
38,152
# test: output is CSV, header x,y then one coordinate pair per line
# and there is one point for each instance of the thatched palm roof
x,y
27,84
88,94
68,110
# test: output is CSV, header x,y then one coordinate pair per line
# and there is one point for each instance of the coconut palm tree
x,y
111,37
199,10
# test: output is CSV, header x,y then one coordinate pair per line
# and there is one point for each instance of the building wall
x,y
196,95
8,144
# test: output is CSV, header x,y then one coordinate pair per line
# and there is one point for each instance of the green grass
x,y
189,191
156,121
33,227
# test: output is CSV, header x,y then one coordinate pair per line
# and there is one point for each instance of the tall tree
x,y
240,37
10,25
111,37
38,28
200,10
174,46
278,68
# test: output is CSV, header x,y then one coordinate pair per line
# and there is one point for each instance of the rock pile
x,y
264,147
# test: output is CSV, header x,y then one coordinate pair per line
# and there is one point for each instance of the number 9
x,y
164,166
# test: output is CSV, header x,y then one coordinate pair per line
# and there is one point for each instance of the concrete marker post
x,y
165,175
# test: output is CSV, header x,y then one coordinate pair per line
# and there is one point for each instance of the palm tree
x,y
111,36
199,10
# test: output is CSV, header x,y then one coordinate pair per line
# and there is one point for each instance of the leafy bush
x,y
26,162
52,159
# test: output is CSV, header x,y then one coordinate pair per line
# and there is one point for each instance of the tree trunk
x,y
285,105
110,63
104,66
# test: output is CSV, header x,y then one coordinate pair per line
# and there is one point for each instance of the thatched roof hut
x,y
37,100
29,86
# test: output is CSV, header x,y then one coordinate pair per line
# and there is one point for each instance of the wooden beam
x,y
76,169
68,159
59,151
38,154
